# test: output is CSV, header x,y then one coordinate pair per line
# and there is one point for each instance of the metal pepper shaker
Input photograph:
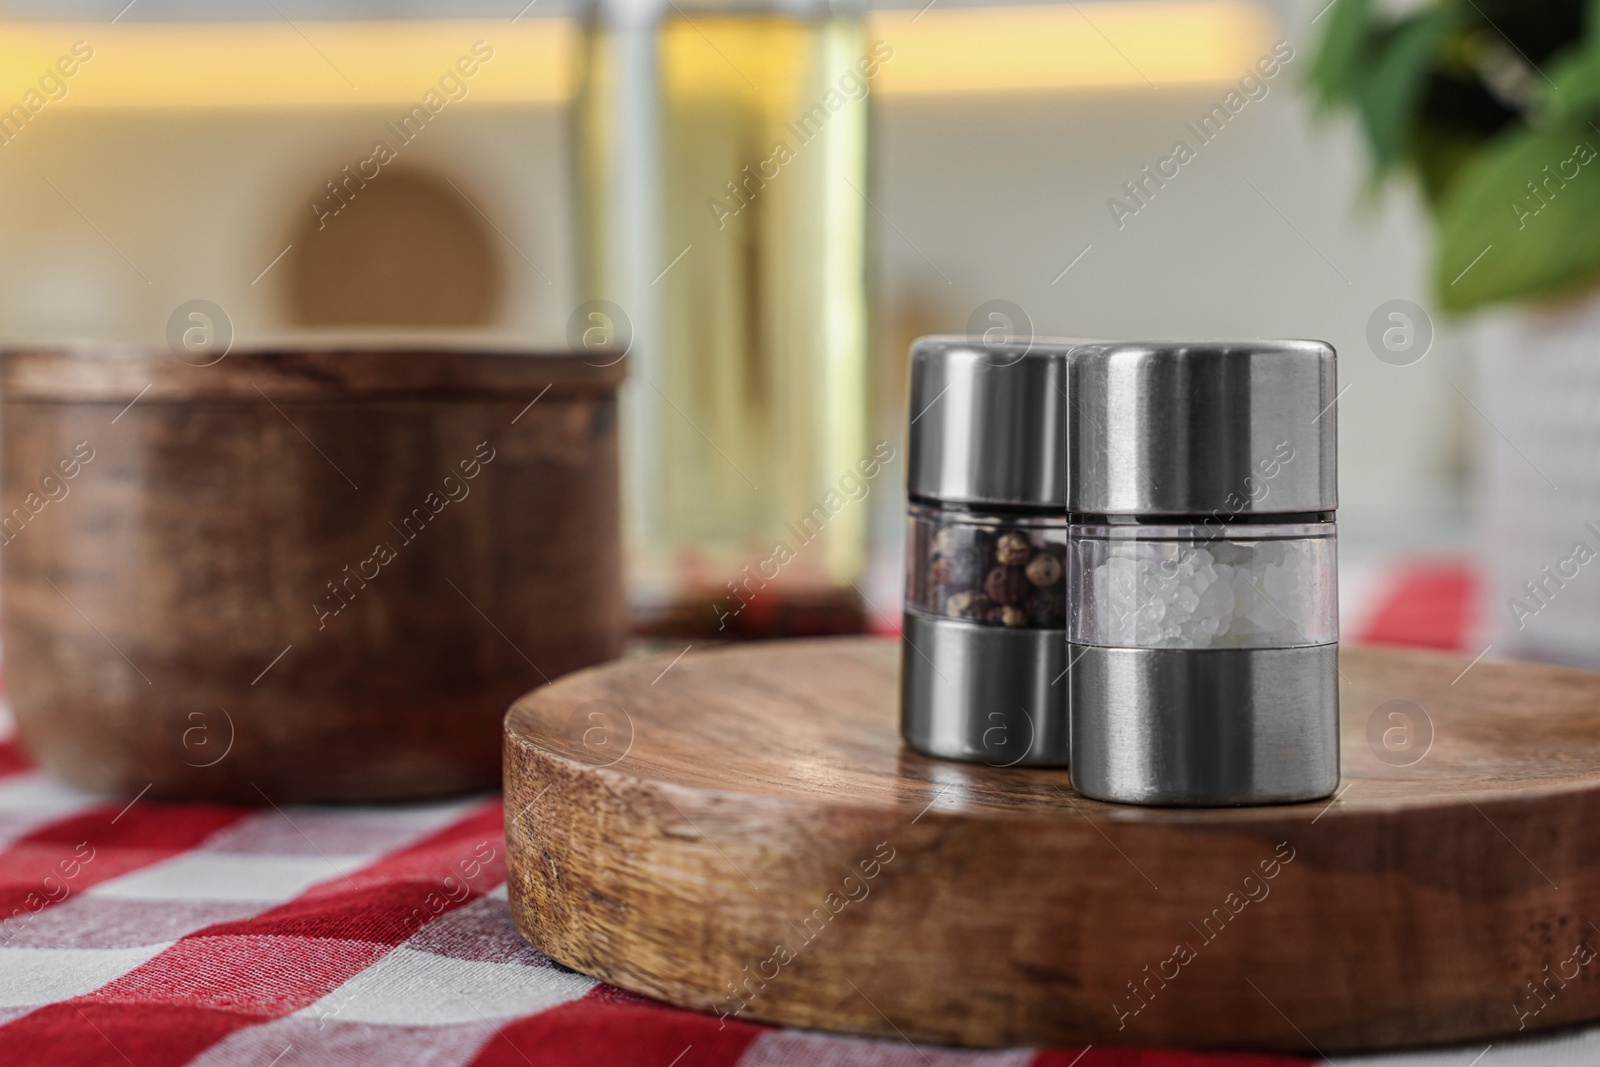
x,y
983,637
1203,622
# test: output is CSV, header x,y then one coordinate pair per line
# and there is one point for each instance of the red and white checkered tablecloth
x,y
150,934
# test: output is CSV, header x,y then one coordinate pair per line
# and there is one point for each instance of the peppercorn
x,y
1047,607
1013,548
1044,569
969,606
1006,585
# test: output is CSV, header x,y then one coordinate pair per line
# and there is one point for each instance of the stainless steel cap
x,y
988,421
1211,428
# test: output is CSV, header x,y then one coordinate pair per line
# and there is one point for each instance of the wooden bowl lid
x,y
335,371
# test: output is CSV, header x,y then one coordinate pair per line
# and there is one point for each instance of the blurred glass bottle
x,y
723,173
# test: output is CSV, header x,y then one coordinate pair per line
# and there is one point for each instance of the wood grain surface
x,y
741,832
195,598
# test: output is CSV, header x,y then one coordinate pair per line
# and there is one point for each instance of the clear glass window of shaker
x,y
1261,586
987,569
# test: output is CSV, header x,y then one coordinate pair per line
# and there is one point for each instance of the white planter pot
x,y
1539,462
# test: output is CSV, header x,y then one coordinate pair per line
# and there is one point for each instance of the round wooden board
x,y
740,831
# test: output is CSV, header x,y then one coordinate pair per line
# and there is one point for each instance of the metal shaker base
x,y
983,694
1204,727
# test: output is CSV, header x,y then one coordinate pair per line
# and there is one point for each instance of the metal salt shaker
x,y
1203,607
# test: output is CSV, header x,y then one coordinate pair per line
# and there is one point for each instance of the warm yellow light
x,y
1123,43
1116,43
276,64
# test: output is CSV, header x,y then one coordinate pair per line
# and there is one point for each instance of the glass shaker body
x,y
986,568
1255,585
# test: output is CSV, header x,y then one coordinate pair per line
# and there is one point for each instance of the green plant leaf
x,y
1576,74
1440,153
1336,69
1577,84
1499,241
1390,91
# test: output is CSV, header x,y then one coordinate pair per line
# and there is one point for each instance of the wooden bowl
x,y
305,575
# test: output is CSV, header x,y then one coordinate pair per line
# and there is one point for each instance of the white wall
x,y
998,196
186,205
984,198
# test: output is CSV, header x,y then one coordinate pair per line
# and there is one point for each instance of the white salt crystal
x,y
1223,594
